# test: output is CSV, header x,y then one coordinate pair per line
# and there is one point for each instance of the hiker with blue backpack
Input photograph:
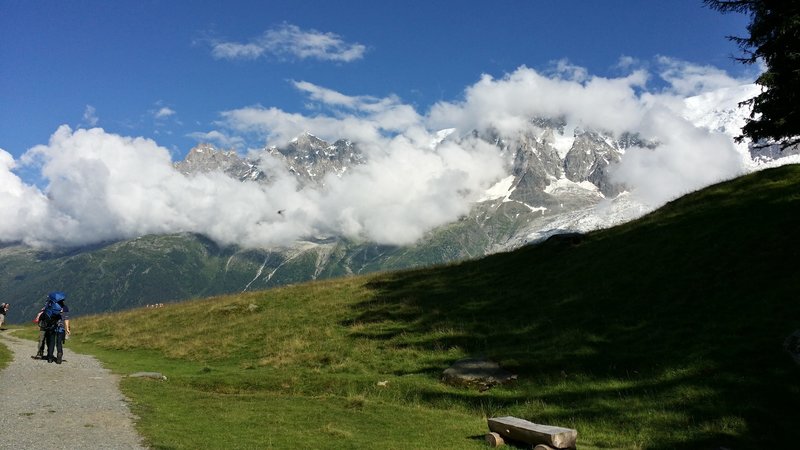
x,y
54,321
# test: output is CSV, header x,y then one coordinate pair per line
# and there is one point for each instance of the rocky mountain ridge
x,y
311,159
205,158
557,177
535,162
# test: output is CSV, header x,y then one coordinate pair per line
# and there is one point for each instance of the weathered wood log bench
x,y
513,428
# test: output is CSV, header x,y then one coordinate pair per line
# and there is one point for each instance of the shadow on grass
x,y
688,308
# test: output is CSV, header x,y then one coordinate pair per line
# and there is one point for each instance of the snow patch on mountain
x,y
563,143
440,136
501,189
605,214
563,184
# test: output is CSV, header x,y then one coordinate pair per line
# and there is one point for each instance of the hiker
x,y
62,331
55,321
3,311
40,345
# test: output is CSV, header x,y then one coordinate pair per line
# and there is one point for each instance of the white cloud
x,y
233,50
327,96
24,207
276,126
686,159
688,79
90,116
105,186
406,191
164,112
102,186
218,138
565,69
626,62
508,104
366,120
291,41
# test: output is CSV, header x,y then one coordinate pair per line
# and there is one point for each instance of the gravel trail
x,y
73,405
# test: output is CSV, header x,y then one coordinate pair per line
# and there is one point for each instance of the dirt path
x,y
78,401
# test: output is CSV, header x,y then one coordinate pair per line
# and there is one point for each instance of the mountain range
x,y
559,181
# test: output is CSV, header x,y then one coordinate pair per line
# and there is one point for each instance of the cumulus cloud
x,y
291,41
103,186
508,104
687,158
24,207
409,189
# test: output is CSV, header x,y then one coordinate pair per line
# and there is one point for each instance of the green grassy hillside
x,y
663,333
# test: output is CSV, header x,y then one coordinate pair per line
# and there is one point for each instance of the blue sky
x,y
149,68
99,98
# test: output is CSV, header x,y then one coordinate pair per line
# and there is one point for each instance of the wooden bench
x,y
513,428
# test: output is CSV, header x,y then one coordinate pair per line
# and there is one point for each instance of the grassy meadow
x,y
663,333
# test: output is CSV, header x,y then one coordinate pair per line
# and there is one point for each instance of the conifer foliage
x,y
774,39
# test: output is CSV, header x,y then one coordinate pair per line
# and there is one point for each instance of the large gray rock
x,y
478,373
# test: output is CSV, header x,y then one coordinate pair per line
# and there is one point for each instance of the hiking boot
x,y
58,358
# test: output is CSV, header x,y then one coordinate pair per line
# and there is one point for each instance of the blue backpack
x,y
52,311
